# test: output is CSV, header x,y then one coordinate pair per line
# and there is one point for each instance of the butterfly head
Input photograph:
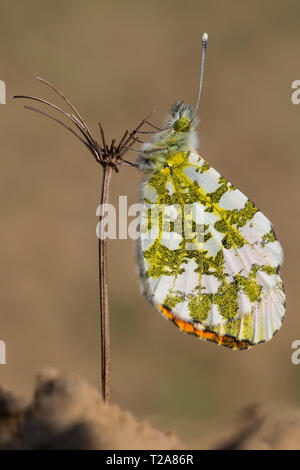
x,y
182,124
178,135
180,117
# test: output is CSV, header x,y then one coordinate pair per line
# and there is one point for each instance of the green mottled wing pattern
x,y
213,269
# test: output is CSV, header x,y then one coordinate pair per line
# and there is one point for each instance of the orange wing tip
x,y
187,327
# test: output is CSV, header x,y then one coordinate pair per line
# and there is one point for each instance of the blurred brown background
x,y
116,61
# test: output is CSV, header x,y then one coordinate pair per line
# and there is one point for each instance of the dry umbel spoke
x,y
106,154
66,101
92,150
79,124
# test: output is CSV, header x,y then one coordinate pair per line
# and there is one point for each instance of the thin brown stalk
x,y
122,140
59,122
122,149
66,100
109,157
75,121
103,289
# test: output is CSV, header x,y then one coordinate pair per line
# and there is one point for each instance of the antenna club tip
x,y
205,38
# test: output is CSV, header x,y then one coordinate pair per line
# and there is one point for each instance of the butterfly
x,y
209,259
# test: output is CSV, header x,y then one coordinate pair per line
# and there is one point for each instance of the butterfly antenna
x,y
204,45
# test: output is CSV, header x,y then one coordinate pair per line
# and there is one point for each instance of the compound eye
x,y
182,125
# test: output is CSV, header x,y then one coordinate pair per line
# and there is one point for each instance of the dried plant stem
x,y
110,157
103,289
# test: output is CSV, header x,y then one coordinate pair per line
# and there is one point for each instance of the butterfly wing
x,y
209,259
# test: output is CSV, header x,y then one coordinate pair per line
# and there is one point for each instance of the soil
x,y
68,413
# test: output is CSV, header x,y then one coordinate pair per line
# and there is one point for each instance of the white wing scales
x,y
227,288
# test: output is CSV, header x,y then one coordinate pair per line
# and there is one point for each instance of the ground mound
x,y
68,413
